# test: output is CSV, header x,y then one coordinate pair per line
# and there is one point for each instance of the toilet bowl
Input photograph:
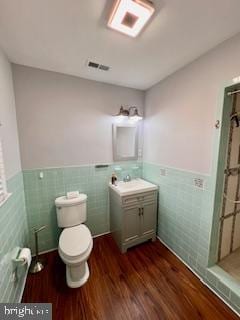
x,y
75,246
75,242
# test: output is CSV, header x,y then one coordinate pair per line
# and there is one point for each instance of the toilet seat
x,y
75,243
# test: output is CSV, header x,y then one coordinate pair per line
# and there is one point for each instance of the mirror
x,y
125,142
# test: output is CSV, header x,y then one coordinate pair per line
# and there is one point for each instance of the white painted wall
x,y
8,130
65,120
181,110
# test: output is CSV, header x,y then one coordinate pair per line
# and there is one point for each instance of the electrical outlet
x,y
163,172
199,183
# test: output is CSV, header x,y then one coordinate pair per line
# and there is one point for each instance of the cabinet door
x,y
148,219
131,224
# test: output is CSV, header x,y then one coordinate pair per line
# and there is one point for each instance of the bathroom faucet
x,y
127,178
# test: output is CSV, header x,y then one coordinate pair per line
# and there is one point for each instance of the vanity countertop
x,y
133,187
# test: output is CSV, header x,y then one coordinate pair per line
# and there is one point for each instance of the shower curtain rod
x,y
230,93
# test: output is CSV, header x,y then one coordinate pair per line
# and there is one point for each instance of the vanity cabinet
x,y
133,218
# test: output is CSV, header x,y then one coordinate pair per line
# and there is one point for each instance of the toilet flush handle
x,y
39,229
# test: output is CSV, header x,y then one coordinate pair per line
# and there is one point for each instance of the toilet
x,y
75,242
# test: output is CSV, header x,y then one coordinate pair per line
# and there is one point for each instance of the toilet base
x,y
77,276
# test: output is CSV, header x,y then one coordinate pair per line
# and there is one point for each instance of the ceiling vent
x,y
96,65
103,67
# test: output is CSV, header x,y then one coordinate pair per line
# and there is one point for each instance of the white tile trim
x,y
7,196
177,169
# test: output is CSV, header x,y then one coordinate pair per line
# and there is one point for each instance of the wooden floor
x,y
148,282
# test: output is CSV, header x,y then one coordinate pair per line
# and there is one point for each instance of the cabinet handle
x,y
142,211
139,211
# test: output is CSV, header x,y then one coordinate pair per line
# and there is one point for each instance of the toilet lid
x,y
75,241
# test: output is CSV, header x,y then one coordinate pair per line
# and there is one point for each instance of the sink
x,y
132,187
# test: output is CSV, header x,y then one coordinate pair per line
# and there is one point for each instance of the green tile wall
x,y
185,223
14,234
41,193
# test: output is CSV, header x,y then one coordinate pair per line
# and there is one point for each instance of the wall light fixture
x,y
130,113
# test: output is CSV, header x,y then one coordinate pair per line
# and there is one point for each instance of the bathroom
x,y
122,150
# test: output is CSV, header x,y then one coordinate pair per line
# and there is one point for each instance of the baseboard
x,y
221,298
101,234
46,251
184,262
198,276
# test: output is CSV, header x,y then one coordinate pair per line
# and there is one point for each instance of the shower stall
x,y
229,223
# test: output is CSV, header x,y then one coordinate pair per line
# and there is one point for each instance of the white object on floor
x,y
24,257
75,242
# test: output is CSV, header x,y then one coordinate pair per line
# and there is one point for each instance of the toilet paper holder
x,y
19,261
37,264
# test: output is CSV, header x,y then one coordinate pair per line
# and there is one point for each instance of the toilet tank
x,y
71,212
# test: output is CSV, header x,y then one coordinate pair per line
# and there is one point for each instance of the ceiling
x,y
60,35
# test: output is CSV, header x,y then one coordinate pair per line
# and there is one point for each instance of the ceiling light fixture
x,y
131,113
130,16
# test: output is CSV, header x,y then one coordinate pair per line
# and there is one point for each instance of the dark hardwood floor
x,y
148,282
